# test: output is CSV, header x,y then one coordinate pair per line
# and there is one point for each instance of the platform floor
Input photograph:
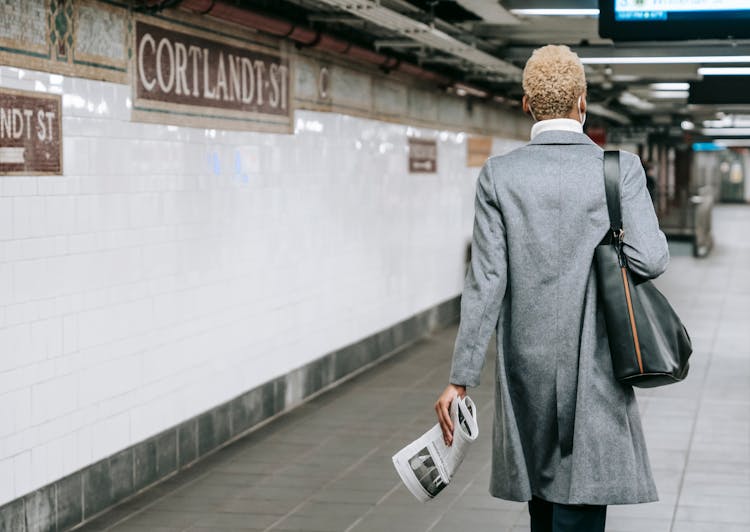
x,y
326,466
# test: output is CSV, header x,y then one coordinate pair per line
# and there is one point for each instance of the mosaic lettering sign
x,y
30,134
422,155
189,79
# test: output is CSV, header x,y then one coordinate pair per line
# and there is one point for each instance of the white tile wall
x,y
171,269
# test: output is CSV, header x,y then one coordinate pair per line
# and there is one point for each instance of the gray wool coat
x,y
564,429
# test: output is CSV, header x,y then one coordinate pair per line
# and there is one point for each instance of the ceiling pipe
x,y
307,37
426,34
491,12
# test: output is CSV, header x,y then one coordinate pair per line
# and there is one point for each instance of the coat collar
x,y
561,137
556,124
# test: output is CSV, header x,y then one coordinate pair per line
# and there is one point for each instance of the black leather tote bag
x,y
649,344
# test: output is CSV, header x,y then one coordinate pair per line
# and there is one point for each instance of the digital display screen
x,y
648,10
655,20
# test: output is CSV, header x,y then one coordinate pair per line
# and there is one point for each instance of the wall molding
x,y
87,493
95,39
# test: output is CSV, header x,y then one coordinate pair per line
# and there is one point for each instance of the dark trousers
x,y
553,517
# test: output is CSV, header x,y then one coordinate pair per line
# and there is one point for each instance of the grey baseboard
x,y
79,497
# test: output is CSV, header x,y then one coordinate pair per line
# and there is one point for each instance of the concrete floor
x,y
327,465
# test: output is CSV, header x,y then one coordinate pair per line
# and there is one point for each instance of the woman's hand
x,y
443,409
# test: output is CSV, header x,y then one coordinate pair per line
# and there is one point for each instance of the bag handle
x,y
612,189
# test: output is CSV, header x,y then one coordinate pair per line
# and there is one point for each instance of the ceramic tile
x,y
275,249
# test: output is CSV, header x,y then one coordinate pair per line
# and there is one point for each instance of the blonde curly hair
x,y
553,79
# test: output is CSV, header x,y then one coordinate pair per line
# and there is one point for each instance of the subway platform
x,y
326,465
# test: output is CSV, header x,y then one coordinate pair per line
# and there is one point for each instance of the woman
x,y
567,436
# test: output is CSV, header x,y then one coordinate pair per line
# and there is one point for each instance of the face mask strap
x,y
581,114
531,111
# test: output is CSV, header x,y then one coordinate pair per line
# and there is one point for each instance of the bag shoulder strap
x,y
612,189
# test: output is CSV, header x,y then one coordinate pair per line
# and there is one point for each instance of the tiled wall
x,y
170,269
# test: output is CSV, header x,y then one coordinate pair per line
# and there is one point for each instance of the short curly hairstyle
x,y
553,79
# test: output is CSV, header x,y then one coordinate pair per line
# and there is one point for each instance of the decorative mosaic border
x,y
26,50
29,50
97,60
319,81
83,495
331,84
58,55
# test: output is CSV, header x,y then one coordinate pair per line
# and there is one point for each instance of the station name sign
x,y
182,77
30,133
422,155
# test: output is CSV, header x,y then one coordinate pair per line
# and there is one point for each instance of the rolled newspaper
x,y
426,466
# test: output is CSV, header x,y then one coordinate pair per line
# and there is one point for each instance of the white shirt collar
x,y
556,124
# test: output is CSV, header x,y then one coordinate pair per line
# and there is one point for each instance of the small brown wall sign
x,y
30,133
422,155
478,150
192,79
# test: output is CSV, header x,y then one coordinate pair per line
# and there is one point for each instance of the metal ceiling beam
x,y
328,18
490,12
550,4
374,12
397,43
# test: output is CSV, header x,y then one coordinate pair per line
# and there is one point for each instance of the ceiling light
x,y
724,71
670,86
662,60
600,110
731,143
463,90
723,122
669,95
727,131
728,121
631,100
556,12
